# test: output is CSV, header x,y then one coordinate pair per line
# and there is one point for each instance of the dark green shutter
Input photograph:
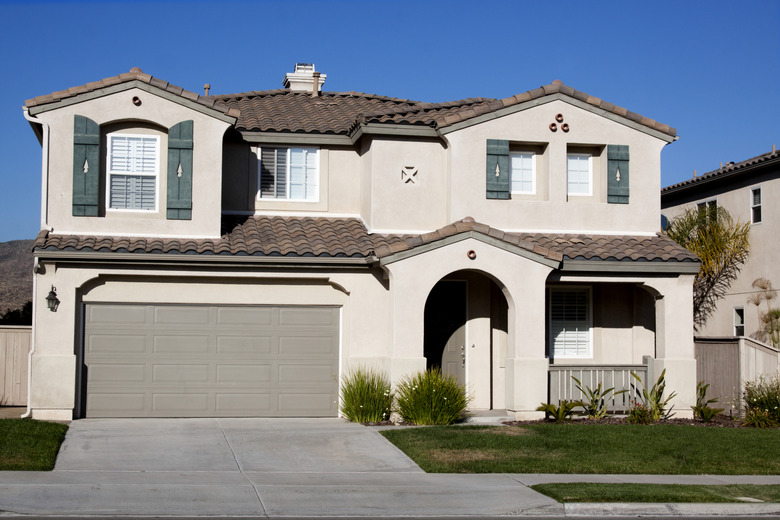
x,y
617,174
497,172
180,171
86,167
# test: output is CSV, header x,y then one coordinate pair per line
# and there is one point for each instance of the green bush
x,y
640,414
702,410
762,398
366,396
431,398
757,418
595,405
561,412
654,397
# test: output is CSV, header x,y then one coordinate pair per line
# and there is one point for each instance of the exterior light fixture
x,y
51,300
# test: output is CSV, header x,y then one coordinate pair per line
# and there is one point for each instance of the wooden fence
x,y
14,356
562,386
726,363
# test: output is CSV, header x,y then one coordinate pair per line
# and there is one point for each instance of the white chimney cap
x,y
302,80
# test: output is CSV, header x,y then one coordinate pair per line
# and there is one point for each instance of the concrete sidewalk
x,y
273,468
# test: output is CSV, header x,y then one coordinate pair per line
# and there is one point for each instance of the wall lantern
x,y
51,300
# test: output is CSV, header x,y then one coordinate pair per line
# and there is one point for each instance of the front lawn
x,y
593,448
27,445
661,493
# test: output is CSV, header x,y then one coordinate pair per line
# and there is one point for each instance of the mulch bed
x,y
719,421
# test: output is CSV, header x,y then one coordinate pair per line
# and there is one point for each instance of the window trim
x,y
518,153
589,306
109,172
590,174
739,311
754,207
288,151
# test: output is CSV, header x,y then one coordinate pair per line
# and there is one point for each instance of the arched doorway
x,y
465,334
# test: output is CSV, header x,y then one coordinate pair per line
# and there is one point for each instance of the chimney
x,y
304,79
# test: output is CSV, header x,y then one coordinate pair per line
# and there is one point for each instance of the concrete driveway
x,y
266,468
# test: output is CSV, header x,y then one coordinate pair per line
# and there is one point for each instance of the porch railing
x,y
562,386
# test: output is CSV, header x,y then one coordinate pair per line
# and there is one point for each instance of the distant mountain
x,y
16,274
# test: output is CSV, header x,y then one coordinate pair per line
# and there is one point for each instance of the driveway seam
x,y
240,469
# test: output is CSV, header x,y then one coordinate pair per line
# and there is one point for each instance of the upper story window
x,y
570,322
755,205
739,321
710,207
579,174
289,174
133,171
523,172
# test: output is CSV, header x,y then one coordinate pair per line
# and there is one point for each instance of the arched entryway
x,y
465,334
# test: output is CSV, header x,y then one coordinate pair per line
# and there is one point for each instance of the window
x,y
570,322
710,207
755,205
579,174
133,164
523,172
739,321
289,174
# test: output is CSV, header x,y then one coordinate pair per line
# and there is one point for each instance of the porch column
x,y
674,348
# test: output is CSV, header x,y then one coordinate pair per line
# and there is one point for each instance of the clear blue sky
x,y
711,68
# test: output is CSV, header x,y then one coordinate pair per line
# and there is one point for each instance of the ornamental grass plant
x,y
366,396
431,398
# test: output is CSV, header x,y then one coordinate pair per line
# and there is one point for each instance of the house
x,y
234,255
747,190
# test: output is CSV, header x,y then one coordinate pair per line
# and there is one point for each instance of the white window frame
x,y
131,173
313,197
586,323
519,154
590,174
739,312
754,206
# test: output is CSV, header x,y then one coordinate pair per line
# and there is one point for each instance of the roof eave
x,y
617,266
717,177
121,87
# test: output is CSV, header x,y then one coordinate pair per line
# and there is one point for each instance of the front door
x,y
445,329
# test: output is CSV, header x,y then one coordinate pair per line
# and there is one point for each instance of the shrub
x,y
763,395
702,410
431,398
366,396
654,398
561,412
757,418
640,413
595,405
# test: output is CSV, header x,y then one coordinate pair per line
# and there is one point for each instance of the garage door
x,y
210,361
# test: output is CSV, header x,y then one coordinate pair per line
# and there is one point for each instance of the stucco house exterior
x,y
234,255
747,189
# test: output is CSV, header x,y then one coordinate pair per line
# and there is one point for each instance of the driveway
x,y
267,468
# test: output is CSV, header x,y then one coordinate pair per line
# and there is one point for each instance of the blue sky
x,y
710,69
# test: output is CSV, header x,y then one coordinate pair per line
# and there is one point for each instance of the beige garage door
x,y
210,361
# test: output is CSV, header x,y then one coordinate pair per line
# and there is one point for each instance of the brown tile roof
x,y
347,237
135,74
725,171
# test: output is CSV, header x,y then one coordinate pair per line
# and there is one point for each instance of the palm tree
x,y
721,244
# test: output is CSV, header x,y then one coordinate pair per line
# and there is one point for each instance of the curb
x,y
676,509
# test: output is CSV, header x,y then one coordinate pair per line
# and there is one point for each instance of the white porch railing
x,y
562,386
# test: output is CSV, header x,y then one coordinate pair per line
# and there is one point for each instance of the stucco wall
x,y
154,115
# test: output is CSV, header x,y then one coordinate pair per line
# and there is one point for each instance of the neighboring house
x,y
749,190
233,255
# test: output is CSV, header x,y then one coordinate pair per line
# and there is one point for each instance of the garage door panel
x,y
203,361
170,344
240,345
246,375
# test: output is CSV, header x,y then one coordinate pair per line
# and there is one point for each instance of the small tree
x,y
723,247
769,320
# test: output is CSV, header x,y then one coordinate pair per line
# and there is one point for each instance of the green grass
x,y
670,493
27,445
571,448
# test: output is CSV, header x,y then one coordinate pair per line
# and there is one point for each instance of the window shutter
x,y
617,174
180,171
86,167
497,172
